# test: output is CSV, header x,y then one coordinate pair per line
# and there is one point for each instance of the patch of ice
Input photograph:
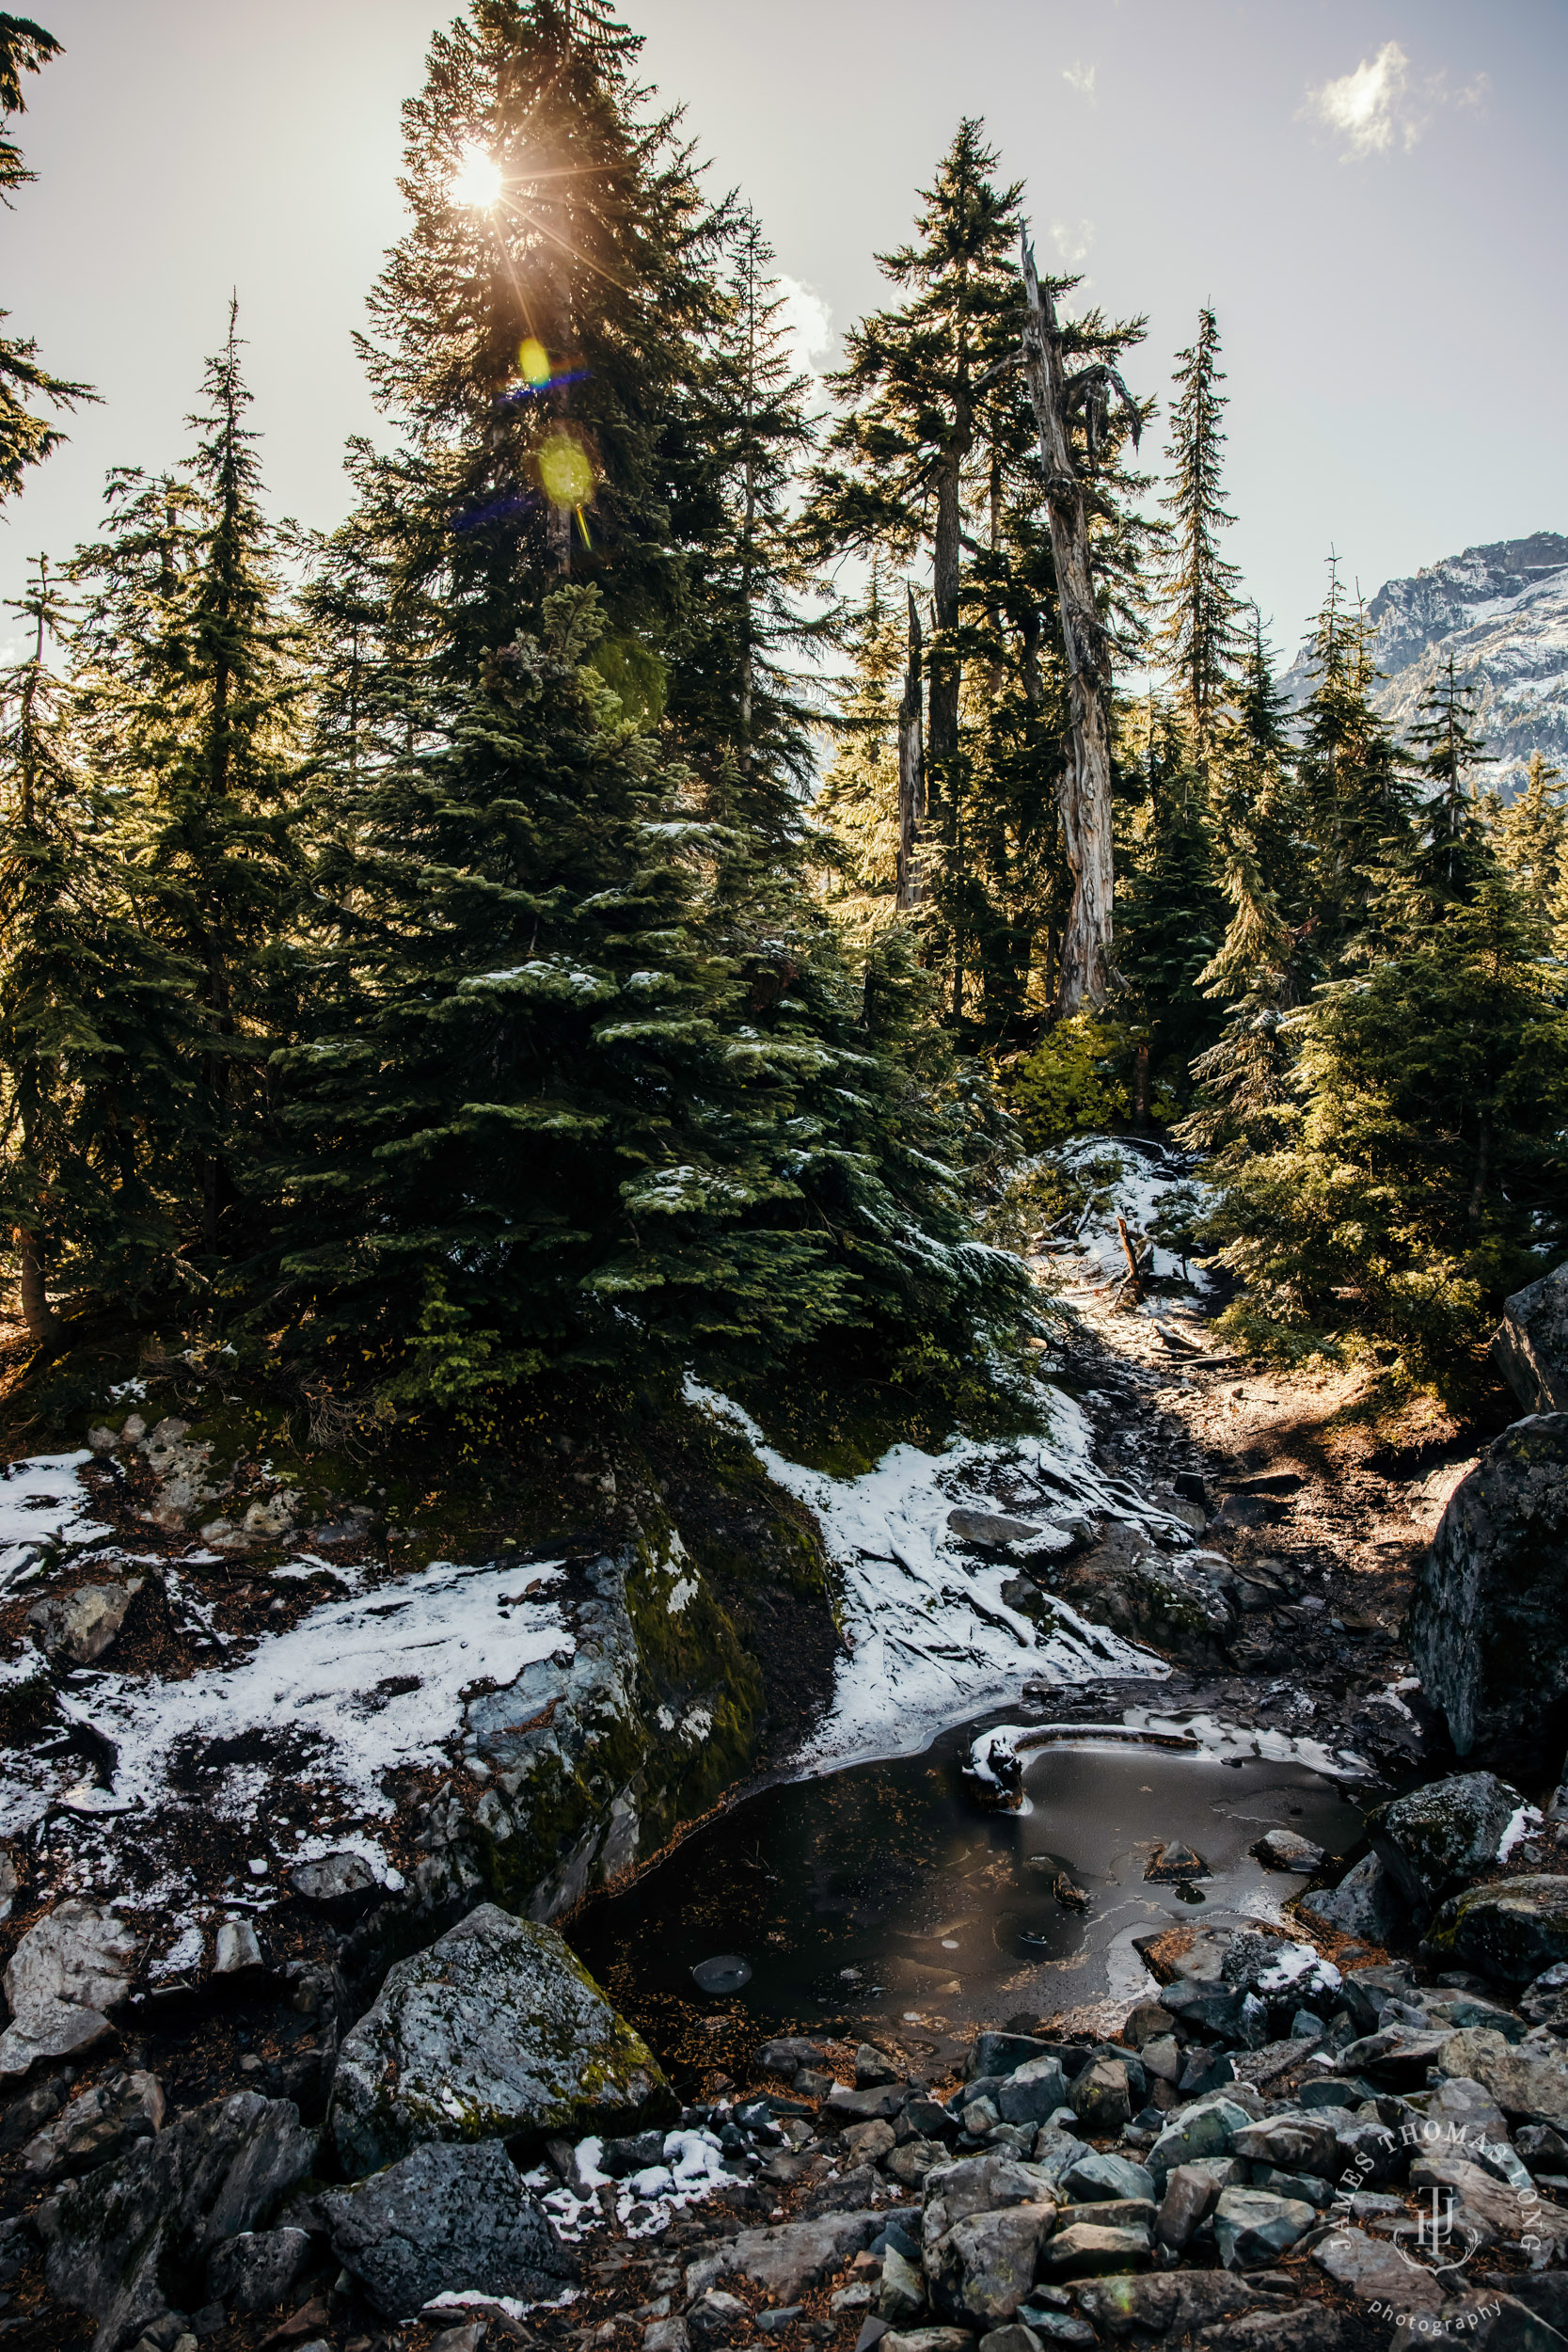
x,y
43,1503
930,1636
1520,1824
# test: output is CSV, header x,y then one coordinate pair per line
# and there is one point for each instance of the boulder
x,y
1366,1903
1101,2175
1509,1931
117,2241
79,1626
994,1527
1531,1345
1170,2304
1489,1613
863,2106
718,2318
1089,2249
1397,2057
1100,2096
928,2340
910,2163
1291,2143
1005,2052
332,1878
1371,2271
1253,2227
983,2268
446,2218
97,2127
254,2271
1545,2002
786,2261
1190,2191
1527,2082
495,2031
1436,1837
980,2185
1179,1606
1205,2129
67,1973
873,2066
1032,2094
901,2296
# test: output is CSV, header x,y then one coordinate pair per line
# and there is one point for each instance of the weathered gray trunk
x,y
1088,973
911,768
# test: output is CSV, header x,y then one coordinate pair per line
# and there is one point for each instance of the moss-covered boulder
x,y
496,2032
1489,1614
1510,1931
1436,1837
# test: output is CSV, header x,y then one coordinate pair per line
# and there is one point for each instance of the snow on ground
x,y
362,1684
931,1638
42,1504
1140,1176
1201,1732
645,2203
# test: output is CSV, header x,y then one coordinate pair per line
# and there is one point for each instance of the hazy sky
x,y
1371,197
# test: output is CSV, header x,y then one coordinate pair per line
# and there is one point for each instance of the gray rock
x,y
913,2160
1205,2129
929,2340
1531,1346
1436,1837
1253,2227
1162,2058
901,2296
1310,2327
111,2237
1529,2083
1365,1904
97,2127
443,2218
254,2271
1033,2094
67,1973
788,2053
1205,2006
987,2184
850,2193
1510,1931
636,2152
1048,2326
1542,2149
991,1527
1099,2175
80,1626
716,2318
1545,2001
1469,2106
669,2335
1088,2250
1100,2097
1373,2272
1191,2192
1489,1612
1170,2303
238,1950
332,1878
786,2261
882,2100
1305,2189
495,2029
1178,1605
1282,1850
983,2268
1291,2143
1397,2057
1014,2338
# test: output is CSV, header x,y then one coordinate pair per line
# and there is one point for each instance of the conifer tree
x,y
1453,848
192,688
1201,637
857,809
93,1096
1356,798
25,437
1170,911
1531,838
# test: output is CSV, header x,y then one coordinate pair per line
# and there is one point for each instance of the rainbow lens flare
x,y
566,470
534,362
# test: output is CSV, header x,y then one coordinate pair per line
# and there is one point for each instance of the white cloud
x,y
1369,109
1475,92
1081,78
1072,245
808,323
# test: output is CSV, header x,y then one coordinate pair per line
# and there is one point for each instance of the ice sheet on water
x,y
931,1638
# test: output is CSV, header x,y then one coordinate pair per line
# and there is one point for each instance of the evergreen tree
x,y
1452,848
1531,840
1171,914
1201,638
857,809
1355,796
192,684
25,437
92,1097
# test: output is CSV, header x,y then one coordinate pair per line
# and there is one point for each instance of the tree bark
x,y
1088,973
911,768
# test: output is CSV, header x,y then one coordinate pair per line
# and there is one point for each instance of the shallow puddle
x,y
885,1891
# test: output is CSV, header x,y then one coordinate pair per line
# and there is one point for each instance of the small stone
x,y
873,2066
1290,2142
1283,1849
1173,1863
1147,2023
97,2127
773,2323
991,1527
1102,2175
335,1876
669,2335
1162,2056
1033,2094
1016,2338
910,2163
1098,2096
237,1948
901,2297
788,2052
1191,2194
1373,2271
68,1971
929,2340
868,2143
1366,1902
254,2271
80,1626
1206,2129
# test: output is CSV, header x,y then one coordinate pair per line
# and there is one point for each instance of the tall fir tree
x,y
25,437
1201,638
1452,850
1531,838
1355,795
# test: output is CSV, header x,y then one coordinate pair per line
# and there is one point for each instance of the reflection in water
x,y
882,1892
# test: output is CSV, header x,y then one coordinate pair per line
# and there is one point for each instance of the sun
x,y
477,180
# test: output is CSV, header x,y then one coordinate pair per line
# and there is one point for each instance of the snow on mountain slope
x,y
1503,612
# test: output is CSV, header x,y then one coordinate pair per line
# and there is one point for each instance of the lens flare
x,y
565,471
477,180
533,362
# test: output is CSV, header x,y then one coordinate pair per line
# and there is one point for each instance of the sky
x,y
1370,197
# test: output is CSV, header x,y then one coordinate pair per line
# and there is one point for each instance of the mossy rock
x,y
1510,1931
496,2032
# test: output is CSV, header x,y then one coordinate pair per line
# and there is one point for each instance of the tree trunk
x,y
1140,1086
1088,973
911,768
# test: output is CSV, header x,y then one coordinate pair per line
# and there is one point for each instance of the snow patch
x,y
43,1504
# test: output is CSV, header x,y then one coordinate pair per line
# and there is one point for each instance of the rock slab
x,y
66,1974
446,2219
1531,1348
